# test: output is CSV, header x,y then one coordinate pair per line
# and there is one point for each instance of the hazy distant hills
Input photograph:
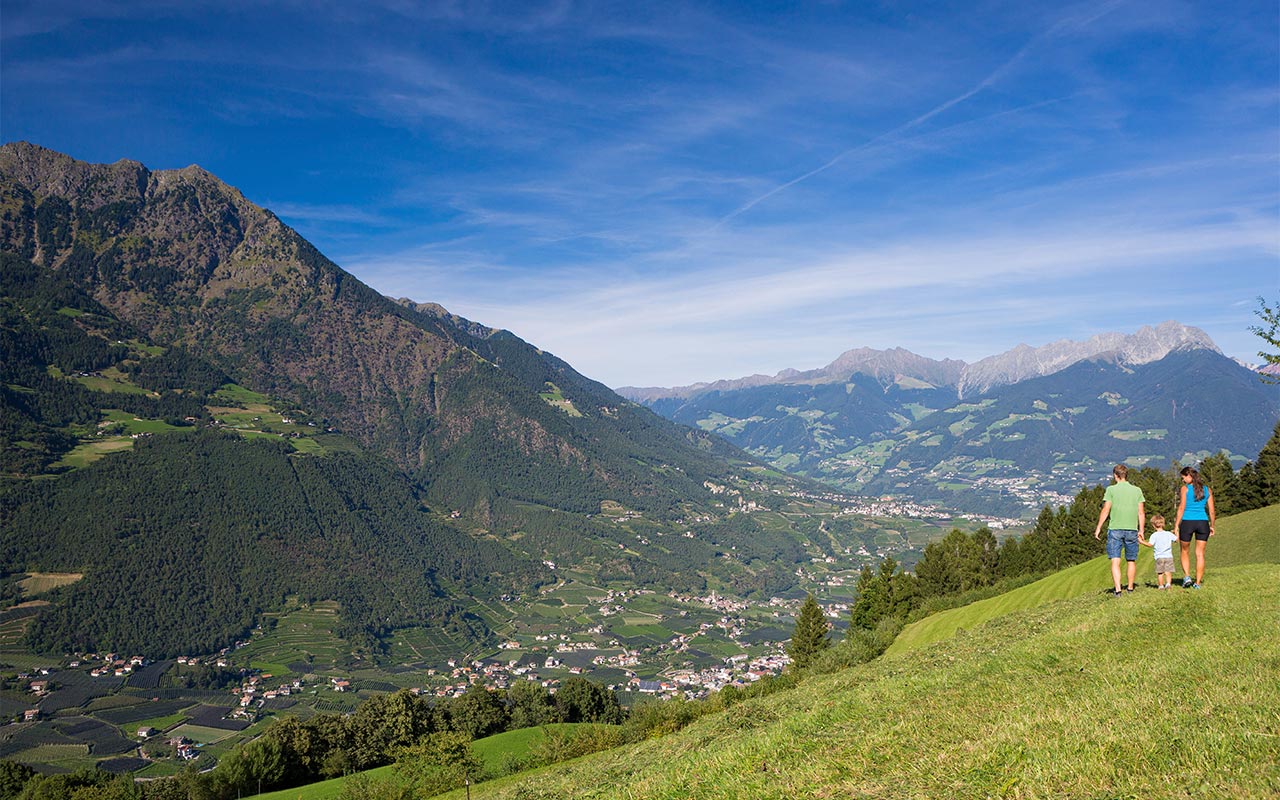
x,y
1008,432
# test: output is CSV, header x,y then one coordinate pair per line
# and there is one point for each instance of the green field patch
x,y
556,399
918,411
305,444
113,701
787,461
89,452
202,735
51,754
1014,419
299,635
655,632
110,380
933,441
252,435
960,408
134,425
961,427
40,582
235,394
1139,436
423,645
254,416
159,723
159,769
725,425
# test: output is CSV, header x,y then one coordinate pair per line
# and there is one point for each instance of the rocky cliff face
x,y
189,261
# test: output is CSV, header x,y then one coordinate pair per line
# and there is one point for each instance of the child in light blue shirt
x,y
1161,543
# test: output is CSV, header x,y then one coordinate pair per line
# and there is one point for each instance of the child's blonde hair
x,y
1158,521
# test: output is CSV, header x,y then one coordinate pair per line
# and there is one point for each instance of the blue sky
x,y
666,193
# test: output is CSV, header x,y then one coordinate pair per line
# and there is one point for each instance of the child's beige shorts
x,y
1164,565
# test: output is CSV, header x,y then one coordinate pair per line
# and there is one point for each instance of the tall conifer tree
x,y
810,636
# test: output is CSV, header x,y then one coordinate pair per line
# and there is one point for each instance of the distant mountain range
x,y
897,365
1008,432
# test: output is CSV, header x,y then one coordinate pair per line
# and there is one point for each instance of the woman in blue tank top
x,y
1196,518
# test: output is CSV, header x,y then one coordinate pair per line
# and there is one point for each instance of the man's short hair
x,y
1121,472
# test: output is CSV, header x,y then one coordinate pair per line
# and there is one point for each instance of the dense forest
x,y
203,531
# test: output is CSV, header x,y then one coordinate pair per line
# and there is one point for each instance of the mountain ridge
x,y
1147,344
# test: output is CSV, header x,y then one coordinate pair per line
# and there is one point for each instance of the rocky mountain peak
x,y
1148,344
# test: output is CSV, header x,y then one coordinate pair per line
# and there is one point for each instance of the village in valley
x,y
148,716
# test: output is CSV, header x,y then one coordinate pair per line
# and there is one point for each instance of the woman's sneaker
x,y
1186,581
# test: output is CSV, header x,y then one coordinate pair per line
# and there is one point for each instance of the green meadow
x,y
1240,539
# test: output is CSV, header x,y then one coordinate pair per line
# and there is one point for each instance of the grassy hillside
x,y
1241,539
1164,694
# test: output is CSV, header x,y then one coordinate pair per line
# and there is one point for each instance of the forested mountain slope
x,y
187,261
155,326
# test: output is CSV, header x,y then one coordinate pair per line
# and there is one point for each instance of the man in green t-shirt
x,y
1125,504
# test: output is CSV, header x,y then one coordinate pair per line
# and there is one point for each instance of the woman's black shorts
x,y
1199,528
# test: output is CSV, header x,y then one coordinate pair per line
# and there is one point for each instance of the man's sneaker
x,y
1118,593
1186,581
1129,589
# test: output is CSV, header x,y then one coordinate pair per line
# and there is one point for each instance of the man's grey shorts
x,y
1127,541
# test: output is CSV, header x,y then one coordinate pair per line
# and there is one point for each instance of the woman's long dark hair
x,y
1196,482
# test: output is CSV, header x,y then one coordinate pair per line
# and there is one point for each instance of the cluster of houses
x,y
112,664
254,694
